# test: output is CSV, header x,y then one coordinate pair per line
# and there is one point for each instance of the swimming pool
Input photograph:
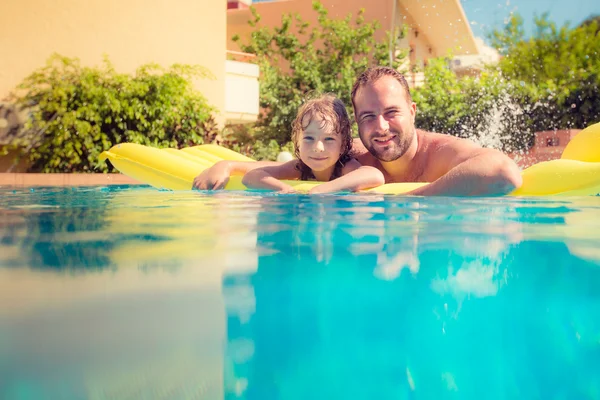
x,y
130,292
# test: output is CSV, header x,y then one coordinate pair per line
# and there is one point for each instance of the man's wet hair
x,y
373,74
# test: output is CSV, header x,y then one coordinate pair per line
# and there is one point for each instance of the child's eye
x,y
308,138
330,138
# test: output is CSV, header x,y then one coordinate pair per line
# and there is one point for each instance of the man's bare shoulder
x,y
434,142
438,153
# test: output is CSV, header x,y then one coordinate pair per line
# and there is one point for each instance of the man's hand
x,y
213,178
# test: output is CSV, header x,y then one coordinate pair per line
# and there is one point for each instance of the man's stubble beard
x,y
400,146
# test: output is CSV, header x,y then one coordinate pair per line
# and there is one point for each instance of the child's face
x,y
319,146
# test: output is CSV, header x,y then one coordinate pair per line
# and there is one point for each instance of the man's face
x,y
386,121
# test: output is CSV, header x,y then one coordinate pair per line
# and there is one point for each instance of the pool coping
x,y
75,179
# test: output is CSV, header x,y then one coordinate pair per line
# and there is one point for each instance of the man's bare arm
x,y
217,176
469,170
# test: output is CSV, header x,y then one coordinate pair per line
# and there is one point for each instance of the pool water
x,y
129,292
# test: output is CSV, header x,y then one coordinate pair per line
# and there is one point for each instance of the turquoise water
x,y
129,292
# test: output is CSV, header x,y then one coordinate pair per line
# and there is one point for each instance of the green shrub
x,y
245,139
263,150
77,112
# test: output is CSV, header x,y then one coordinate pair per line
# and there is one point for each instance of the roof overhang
x,y
443,22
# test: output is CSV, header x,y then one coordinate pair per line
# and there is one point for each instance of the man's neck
x,y
402,169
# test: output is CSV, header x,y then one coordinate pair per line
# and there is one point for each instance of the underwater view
x,y
131,292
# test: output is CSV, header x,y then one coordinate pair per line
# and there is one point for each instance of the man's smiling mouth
x,y
384,140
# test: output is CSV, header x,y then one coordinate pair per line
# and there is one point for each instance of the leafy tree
x,y
77,112
297,60
548,81
590,20
482,109
512,33
559,66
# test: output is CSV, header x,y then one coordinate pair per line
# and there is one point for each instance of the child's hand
x,y
319,189
288,190
213,178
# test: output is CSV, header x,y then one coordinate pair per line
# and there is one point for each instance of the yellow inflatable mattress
x,y
576,173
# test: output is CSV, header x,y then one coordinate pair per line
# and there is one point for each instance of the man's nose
x,y
382,124
319,146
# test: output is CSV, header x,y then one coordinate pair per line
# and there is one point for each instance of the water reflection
x,y
363,297
134,292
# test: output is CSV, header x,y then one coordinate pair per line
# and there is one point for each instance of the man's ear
x,y
413,111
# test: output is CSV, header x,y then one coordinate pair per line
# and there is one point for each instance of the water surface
x,y
129,292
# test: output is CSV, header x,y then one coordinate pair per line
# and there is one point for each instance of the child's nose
x,y
320,146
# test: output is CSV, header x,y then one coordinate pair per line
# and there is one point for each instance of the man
x,y
389,141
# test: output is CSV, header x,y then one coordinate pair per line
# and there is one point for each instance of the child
x,y
322,143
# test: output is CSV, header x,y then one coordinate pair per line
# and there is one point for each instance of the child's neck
x,y
325,175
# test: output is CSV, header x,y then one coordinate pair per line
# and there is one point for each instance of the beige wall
x,y
132,33
442,27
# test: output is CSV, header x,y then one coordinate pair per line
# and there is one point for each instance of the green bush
x,y
244,139
77,112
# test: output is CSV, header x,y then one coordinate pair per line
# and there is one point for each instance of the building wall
x,y
416,41
552,141
131,33
271,13
427,35
549,145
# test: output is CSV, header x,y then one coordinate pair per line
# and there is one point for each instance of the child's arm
x,y
354,177
217,176
270,177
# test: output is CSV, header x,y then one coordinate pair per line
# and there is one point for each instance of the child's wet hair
x,y
333,115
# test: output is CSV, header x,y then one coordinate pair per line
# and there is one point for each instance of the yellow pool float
x,y
576,173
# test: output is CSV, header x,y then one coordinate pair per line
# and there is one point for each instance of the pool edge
x,y
76,179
